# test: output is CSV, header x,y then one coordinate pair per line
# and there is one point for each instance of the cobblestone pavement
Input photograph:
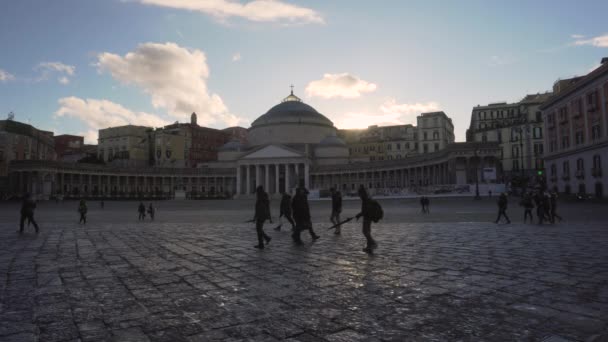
x,y
438,281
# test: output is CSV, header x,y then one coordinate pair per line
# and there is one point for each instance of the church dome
x,y
332,140
292,110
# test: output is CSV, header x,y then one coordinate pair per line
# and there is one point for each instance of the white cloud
x,y
599,41
48,68
97,114
577,36
175,78
256,10
339,85
236,57
389,113
6,76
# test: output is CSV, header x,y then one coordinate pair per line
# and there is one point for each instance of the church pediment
x,y
273,151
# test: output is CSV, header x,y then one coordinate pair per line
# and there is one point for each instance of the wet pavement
x,y
193,275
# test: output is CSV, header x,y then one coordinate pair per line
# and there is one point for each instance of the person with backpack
x,y
27,213
336,208
82,209
142,211
262,213
528,205
151,211
502,208
553,206
371,211
285,210
301,214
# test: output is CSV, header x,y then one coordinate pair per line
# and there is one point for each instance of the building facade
x,y
518,129
576,122
126,146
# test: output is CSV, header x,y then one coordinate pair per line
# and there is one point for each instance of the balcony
x,y
580,174
596,172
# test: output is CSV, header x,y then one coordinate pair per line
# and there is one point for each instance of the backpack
x,y
375,211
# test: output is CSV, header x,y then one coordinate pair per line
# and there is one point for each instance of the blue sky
x,y
75,66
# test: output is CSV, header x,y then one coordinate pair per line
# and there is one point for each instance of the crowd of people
x,y
544,202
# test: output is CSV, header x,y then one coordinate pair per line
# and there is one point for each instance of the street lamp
x,y
477,197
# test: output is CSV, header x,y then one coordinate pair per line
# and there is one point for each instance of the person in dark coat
x,y
301,214
502,207
367,220
151,211
423,204
427,203
82,209
285,210
336,209
528,205
539,199
27,213
262,213
142,211
553,206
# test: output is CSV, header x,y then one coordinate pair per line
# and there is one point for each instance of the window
x,y
539,116
553,170
515,164
538,149
538,132
597,163
425,136
484,138
388,147
398,146
515,151
596,132
426,148
592,101
436,147
565,142
566,169
407,146
435,135
578,137
499,134
580,164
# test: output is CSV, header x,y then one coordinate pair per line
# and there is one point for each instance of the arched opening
x,y
599,190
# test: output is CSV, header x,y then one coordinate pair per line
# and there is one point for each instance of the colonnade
x,y
274,177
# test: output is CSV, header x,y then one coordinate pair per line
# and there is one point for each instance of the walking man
x,y
82,209
142,211
540,210
151,211
262,213
528,205
27,213
301,214
423,204
336,209
370,211
502,208
553,205
285,210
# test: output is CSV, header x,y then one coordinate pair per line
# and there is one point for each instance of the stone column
x,y
267,178
277,173
287,185
238,180
248,185
306,176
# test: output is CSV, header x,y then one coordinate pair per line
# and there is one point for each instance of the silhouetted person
x,y
301,214
553,205
151,211
423,204
490,193
82,209
142,211
27,213
371,211
285,210
502,207
539,199
262,213
528,205
547,207
427,203
336,209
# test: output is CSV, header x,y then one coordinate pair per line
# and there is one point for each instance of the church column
x,y
238,180
258,178
248,185
306,175
276,179
287,185
267,178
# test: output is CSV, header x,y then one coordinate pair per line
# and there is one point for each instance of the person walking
x,y
285,210
423,204
553,205
539,199
262,213
142,211
27,213
301,214
427,203
528,205
82,209
502,208
336,209
371,211
151,211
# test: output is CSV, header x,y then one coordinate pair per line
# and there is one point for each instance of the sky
x,y
74,66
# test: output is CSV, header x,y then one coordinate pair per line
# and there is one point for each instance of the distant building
x,y
169,147
435,132
67,142
576,124
127,146
20,141
518,128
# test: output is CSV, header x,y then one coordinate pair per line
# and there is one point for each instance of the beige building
x,y
518,128
125,145
576,121
169,148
